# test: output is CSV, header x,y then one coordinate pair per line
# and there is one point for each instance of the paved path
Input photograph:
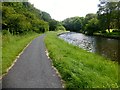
x,y
33,69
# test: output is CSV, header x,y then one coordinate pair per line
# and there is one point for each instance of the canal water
x,y
107,47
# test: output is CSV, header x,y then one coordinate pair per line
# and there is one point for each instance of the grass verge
x,y
12,46
0,53
79,68
113,34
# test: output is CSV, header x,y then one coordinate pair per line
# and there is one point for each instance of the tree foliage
x,y
88,17
22,17
109,15
53,24
92,26
60,27
46,16
73,24
89,24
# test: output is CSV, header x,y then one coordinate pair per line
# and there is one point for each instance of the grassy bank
x,y
0,53
79,68
107,35
12,46
112,34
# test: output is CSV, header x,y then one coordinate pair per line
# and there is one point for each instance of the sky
x,y
62,9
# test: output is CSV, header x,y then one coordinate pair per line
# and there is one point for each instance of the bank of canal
x,y
104,46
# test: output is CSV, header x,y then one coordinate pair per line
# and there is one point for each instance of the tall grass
x,y
12,45
0,53
79,68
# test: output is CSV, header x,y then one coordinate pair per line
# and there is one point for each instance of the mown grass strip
x,y
79,68
12,46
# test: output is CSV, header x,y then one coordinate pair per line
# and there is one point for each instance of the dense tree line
x,y
73,23
53,24
88,24
23,17
107,17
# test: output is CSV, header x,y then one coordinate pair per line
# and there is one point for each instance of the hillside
x,y
21,17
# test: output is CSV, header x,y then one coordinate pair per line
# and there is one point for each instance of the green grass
x,y
107,34
112,33
12,46
79,68
0,53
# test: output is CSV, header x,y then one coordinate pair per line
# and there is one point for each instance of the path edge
x,y
54,68
15,60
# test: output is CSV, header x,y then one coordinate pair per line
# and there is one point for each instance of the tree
x,y
53,25
85,20
60,27
92,26
39,26
73,24
22,17
45,16
118,15
90,16
108,14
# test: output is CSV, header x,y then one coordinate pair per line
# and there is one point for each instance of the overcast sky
x,y
62,9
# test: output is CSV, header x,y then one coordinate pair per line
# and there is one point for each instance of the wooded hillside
x,y
23,17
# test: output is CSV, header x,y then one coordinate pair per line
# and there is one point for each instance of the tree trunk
x,y
108,29
118,16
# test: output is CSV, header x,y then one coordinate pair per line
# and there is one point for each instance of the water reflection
x,y
105,46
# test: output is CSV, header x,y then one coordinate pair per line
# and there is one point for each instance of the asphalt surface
x,y
33,69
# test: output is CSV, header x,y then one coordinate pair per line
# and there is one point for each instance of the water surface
x,y
104,46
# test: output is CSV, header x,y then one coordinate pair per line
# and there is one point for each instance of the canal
x,y
106,47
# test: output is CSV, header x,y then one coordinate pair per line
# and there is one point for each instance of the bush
x,y
92,26
115,31
4,32
103,31
60,27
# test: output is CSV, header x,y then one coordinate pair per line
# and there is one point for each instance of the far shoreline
x,y
96,34
107,36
